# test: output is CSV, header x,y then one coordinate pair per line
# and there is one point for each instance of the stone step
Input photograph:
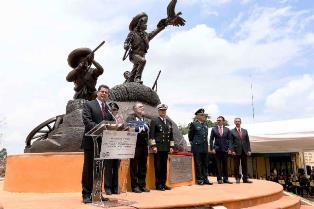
x,y
306,207
285,202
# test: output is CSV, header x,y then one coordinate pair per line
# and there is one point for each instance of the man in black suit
x,y
198,137
219,145
161,142
240,148
94,112
138,165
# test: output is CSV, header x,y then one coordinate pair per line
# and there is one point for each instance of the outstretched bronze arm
x,y
160,28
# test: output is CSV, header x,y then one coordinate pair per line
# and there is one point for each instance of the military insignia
x,y
152,142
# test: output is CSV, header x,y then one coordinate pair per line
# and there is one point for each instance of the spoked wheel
x,y
42,131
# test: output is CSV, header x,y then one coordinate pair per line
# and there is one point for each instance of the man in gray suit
x,y
240,148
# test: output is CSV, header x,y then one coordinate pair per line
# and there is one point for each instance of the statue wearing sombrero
x,y
137,42
83,74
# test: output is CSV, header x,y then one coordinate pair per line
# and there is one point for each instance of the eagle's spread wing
x,y
170,9
173,18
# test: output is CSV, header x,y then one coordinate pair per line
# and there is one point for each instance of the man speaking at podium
x,y
94,112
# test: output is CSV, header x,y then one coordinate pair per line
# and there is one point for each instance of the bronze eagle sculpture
x,y
173,18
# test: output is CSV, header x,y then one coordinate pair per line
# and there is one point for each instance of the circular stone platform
x,y
260,194
52,180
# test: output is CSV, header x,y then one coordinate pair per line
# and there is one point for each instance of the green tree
x,y
3,151
209,122
2,123
184,129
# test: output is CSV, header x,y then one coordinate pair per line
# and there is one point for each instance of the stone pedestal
x,y
68,135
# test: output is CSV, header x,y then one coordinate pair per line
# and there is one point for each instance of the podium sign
x,y
118,144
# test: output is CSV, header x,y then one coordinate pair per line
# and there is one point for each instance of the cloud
x,y
264,24
206,7
296,97
245,1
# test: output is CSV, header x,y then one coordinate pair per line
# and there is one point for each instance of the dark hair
x,y
103,86
238,118
114,106
223,119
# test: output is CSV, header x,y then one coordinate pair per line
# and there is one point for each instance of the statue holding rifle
x,y
83,74
137,42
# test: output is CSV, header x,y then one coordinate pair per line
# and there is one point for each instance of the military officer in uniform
x,y
198,137
161,142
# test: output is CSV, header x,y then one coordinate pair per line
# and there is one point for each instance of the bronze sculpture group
x,y
136,46
64,132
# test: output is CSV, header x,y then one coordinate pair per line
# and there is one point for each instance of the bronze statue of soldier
x,y
137,42
83,74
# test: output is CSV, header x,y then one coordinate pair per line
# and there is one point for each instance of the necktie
x,y
220,130
103,110
240,133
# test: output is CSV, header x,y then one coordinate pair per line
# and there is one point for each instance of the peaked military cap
x,y
162,107
200,111
114,105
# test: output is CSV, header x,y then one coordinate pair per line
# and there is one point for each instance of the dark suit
x,y
111,175
138,165
198,137
221,146
161,136
92,115
241,146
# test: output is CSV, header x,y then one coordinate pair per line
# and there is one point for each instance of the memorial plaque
x,y
180,168
118,145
